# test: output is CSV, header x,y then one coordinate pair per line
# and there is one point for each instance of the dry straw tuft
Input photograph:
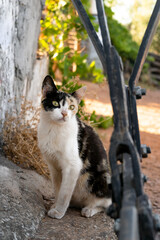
x,y
20,139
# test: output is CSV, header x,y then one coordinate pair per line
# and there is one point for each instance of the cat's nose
x,y
64,113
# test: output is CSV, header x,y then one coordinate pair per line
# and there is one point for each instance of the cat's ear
x,y
48,86
78,94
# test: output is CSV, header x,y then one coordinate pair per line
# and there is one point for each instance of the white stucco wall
x,y
19,31
39,73
7,41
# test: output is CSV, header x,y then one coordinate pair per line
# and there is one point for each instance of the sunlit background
x,y
135,16
136,13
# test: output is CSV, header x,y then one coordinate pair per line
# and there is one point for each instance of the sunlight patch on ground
x,y
100,108
149,116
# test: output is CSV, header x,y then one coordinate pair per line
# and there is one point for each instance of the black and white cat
x,y
74,153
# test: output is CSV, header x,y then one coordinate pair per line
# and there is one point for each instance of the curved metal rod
x,y
146,42
91,31
114,71
125,139
103,25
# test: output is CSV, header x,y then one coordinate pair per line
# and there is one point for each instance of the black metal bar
x,y
129,224
103,25
121,136
146,223
133,120
91,31
146,42
114,72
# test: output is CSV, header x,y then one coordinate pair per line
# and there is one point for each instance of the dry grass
x,y
20,139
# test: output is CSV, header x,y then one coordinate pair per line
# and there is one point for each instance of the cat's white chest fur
x,y
59,146
59,141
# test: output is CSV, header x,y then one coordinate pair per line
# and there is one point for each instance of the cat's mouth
x,y
63,119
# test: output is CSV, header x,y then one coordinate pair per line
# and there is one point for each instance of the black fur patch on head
x,y
53,96
94,159
48,82
50,93
48,85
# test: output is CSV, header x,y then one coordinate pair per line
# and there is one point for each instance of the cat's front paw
x,y
53,213
89,212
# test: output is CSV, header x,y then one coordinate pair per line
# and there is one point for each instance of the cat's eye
x,y
55,103
71,107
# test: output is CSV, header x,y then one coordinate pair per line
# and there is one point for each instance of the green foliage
x,y
140,13
125,44
70,86
61,19
155,47
101,122
121,38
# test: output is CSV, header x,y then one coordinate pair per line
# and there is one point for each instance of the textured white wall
x,y
7,41
39,73
19,31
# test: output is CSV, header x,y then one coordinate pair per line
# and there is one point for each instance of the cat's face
x,y
59,106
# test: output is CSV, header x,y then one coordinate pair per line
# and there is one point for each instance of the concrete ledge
x,y
21,201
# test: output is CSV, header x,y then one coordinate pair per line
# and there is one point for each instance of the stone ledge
x,y
21,202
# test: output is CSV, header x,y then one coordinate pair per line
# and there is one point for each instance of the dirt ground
x,y
97,98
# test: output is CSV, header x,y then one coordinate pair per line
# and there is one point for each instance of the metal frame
x,y
128,200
